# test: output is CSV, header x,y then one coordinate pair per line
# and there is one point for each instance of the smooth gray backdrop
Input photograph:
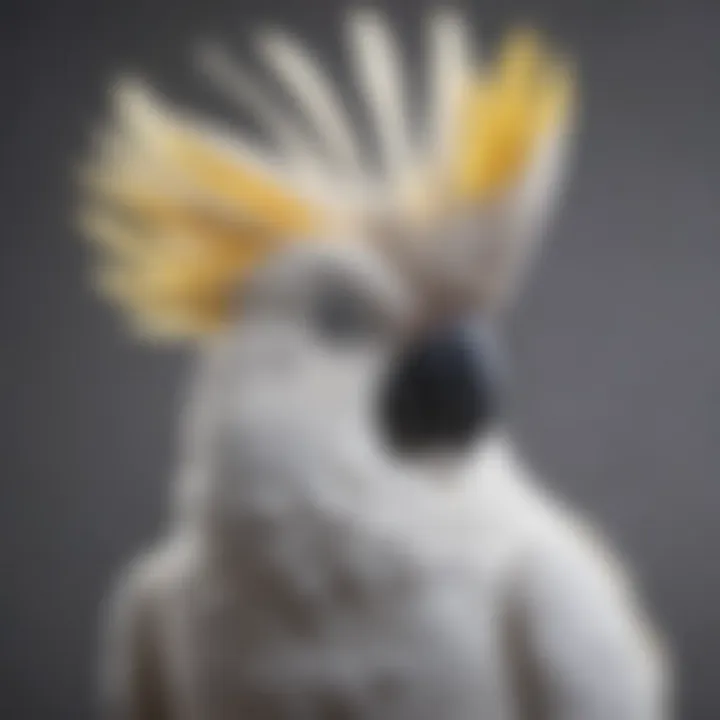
x,y
617,340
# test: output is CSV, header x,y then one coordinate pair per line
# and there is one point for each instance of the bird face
x,y
337,339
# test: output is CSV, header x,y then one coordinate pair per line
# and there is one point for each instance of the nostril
x,y
443,391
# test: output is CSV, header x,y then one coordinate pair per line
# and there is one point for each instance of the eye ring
x,y
341,315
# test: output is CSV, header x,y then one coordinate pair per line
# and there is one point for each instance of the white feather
x,y
237,84
377,62
450,60
313,90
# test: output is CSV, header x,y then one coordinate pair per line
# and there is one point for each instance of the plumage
x,y
317,565
236,83
451,62
307,82
218,206
377,63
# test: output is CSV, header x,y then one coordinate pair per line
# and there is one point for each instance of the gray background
x,y
617,340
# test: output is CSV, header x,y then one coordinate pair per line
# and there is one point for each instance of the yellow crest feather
x,y
181,218
182,215
505,115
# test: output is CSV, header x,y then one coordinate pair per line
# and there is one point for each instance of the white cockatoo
x,y
353,534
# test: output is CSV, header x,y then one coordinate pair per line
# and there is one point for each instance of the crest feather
x,y
182,212
304,79
377,64
505,115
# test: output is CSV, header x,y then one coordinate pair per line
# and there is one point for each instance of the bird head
x,y
326,292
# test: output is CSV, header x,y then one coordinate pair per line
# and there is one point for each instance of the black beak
x,y
444,390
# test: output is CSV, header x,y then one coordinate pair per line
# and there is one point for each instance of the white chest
x,y
329,610
387,635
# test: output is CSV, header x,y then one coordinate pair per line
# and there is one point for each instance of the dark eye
x,y
342,315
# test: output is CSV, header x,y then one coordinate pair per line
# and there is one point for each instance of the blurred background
x,y
616,341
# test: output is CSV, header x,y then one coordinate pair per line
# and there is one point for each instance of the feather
x,y
505,117
240,87
181,214
182,211
376,59
313,90
450,64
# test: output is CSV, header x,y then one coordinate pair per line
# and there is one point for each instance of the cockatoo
x,y
353,532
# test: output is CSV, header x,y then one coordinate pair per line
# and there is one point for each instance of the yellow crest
x,y
183,213
504,116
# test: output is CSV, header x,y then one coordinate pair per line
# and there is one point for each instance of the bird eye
x,y
341,315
